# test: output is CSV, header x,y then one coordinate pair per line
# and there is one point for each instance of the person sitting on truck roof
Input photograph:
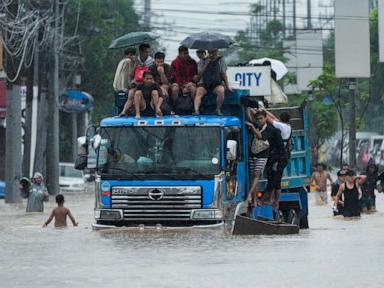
x,y
184,68
162,75
148,97
142,64
212,78
161,72
123,72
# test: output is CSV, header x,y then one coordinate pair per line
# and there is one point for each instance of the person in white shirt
x,y
286,132
124,70
282,124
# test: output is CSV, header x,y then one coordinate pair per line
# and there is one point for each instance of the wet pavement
x,y
332,253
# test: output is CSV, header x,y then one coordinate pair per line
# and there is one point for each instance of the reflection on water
x,y
31,256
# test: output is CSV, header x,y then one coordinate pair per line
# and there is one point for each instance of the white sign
x,y
255,78
352,47
309,53
380,14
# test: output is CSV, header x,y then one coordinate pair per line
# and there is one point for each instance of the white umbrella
x,y
276,65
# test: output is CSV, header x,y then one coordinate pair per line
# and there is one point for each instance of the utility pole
x,y
13,146
309,15
52,159
147,13
294,18
352,124
284,20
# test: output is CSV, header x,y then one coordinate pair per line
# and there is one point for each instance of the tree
x,y
89,29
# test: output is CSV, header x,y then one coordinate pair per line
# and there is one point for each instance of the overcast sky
x,y
175,19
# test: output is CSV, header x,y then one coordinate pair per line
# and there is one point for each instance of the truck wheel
x,y
304,222
293,217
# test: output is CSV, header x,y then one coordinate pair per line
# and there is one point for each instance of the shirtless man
x,y
319,178
60,213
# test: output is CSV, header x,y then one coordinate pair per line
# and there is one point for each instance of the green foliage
x,y
92,25
99,23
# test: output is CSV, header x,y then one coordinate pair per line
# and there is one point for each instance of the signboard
x,y
255,78
352,46
76,101
309,53
380,14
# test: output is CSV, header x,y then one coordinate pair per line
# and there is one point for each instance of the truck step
x,y
250,226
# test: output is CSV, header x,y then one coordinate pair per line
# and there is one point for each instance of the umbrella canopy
x,y
276,65
207,41
133,38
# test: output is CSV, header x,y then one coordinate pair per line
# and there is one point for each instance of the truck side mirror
x,y
81,145
96,140
231,150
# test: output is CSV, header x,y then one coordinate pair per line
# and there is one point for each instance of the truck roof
x,y
200,120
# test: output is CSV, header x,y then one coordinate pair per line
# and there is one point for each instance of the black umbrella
x,y
132,39
207,41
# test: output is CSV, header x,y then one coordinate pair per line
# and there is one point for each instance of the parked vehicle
x,y
70,179
187,170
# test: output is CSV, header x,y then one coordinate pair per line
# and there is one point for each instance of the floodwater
x,y
332,253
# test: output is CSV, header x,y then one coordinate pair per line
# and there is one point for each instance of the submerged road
x,y
332,253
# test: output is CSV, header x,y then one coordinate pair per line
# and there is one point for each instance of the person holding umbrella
x,y
212,77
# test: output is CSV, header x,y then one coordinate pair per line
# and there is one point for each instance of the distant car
x,y
2,189
70,179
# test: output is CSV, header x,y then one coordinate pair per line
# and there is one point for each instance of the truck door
x,y
234,169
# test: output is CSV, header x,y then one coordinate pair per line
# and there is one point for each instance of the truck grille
x,y
156,203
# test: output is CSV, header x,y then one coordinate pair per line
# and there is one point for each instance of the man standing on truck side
x,y
142,64
123,72
212,78
272,157
184,68
286,134
319,178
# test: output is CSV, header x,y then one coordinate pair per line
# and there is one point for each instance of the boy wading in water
x,y
60,214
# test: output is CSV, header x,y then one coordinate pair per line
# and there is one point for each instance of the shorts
x,y
368,202
257,164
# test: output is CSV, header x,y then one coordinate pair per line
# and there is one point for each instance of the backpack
x,y
212,75
139,71
184,104
288,144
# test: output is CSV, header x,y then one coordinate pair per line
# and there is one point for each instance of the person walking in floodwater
x,y
319,178
350,189
60,214
36,192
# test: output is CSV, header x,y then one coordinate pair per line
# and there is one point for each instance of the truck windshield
x,y
147,152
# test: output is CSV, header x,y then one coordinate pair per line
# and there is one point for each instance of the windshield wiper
x,y
124,170
189,169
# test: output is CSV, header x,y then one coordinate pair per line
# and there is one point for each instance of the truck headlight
x,y
97,214
108,214
207,214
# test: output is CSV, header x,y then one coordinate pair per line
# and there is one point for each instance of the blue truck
x,y
188,170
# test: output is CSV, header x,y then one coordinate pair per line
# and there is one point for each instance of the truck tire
x,y
304,222
293,217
